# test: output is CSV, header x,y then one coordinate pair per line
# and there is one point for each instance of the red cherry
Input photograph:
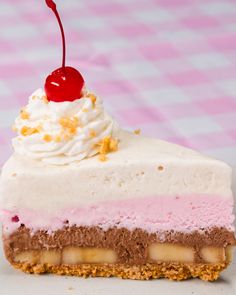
x,y
64,84
15,219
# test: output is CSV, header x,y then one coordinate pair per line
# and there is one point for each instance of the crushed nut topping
x,y
107,145
92,97
24,115
102,157
27,131
92,133
69,126
45,99
47,138
137,131
57,138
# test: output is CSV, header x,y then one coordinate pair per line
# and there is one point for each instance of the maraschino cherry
x,y
65,83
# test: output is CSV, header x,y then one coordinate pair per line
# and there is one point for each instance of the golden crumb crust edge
x,y
172,271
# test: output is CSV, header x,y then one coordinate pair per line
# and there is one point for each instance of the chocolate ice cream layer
x,y
130,246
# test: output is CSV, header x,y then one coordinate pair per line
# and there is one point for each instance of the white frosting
x,y
93,125
131,172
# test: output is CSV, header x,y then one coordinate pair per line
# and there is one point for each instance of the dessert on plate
x,y
80,196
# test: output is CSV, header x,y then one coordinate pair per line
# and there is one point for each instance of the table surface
x,y
165,66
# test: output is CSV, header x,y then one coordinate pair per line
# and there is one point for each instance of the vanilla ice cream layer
x,y
141,167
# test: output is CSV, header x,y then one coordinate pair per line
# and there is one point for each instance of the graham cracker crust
x,y
170,270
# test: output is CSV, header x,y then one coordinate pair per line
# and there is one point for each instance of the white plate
x,y
13,282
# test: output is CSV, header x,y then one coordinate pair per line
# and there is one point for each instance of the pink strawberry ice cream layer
x,y
160,213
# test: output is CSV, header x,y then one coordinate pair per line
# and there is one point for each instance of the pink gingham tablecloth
x,y
165,66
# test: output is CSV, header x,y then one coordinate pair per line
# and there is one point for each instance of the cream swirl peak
x,y
65,132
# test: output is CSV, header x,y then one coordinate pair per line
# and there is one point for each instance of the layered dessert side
x,y
81,196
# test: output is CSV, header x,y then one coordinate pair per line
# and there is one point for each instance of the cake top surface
x,y
68,132
133,149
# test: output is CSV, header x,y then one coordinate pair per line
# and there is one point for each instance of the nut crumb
x,y
102,157
14,174
92,133
24,115
57,138
27,131
47,138
69,127
137,131
160,168
107,145
45,100
92,97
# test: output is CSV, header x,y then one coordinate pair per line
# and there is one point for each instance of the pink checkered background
x,y
165,66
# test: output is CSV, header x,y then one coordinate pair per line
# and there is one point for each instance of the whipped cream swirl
x,y
62,133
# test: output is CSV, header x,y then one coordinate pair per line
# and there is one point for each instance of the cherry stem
x,y
53,6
